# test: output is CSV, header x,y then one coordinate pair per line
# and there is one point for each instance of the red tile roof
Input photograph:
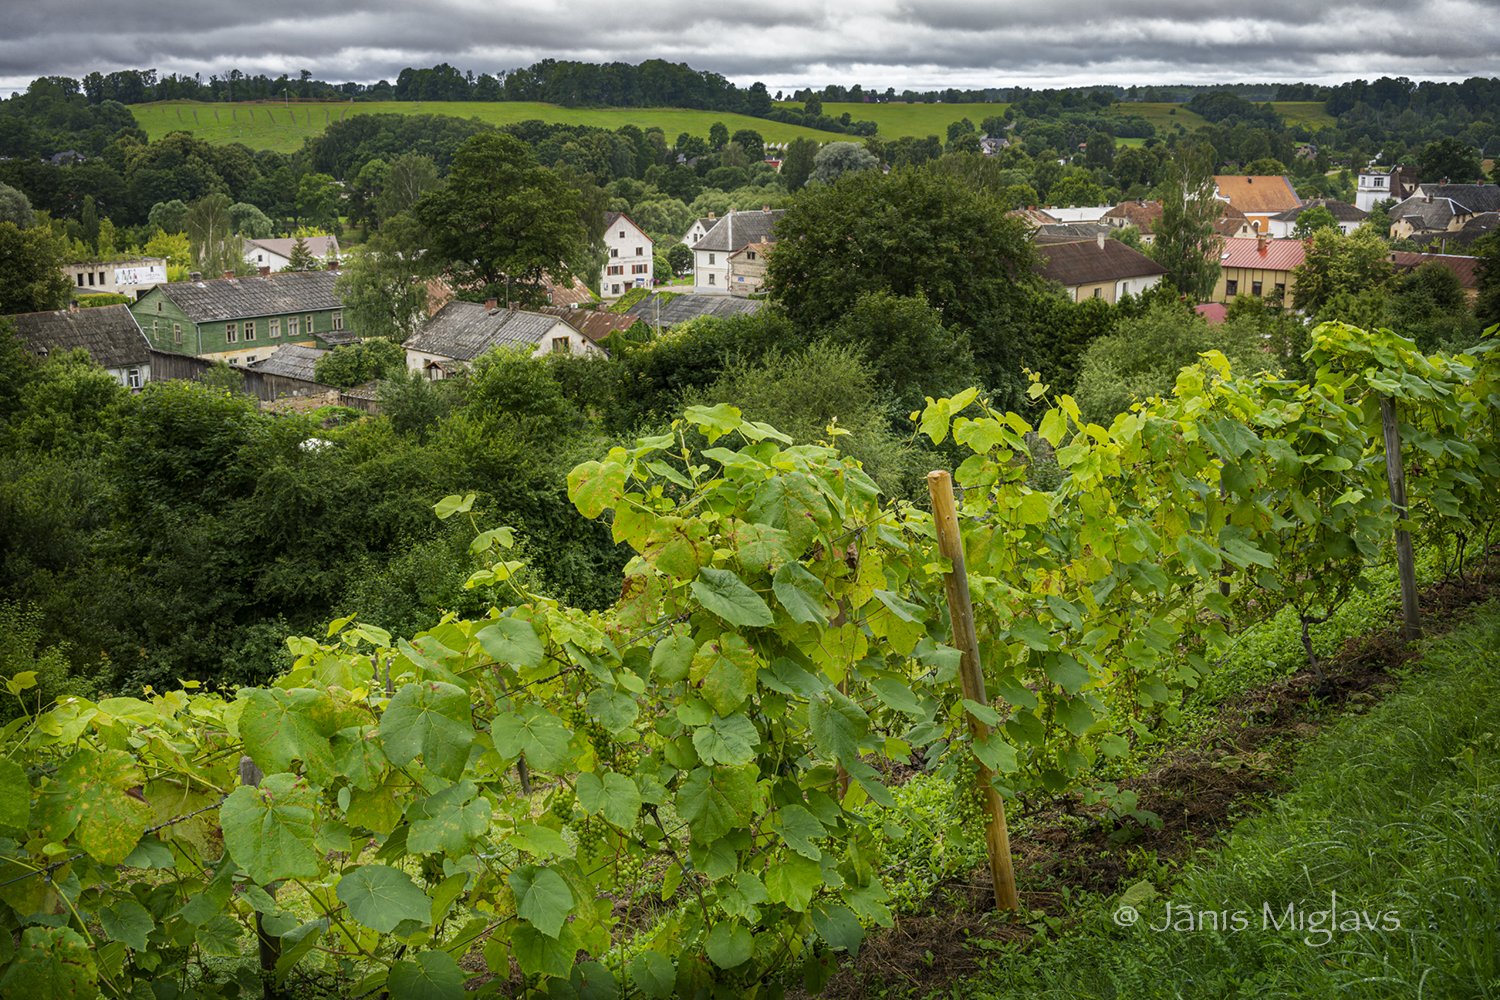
x,y
1214,312
1265,255
1466,269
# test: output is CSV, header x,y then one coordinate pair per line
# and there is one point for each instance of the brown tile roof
x,y
1232,222
1265,255
1143,215
1086,262
595,324
1466,269
575,293
1264,194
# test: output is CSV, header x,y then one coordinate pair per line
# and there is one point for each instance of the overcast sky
x,y
786,43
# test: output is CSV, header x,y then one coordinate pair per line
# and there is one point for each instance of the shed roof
x,y
465,330
109,334
1265,255
222,299
1087,262
681,308
1258,194
291,361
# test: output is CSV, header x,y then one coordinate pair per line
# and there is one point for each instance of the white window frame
x,y
275,328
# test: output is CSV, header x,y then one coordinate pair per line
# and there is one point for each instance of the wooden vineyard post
x,y
1395,474
961,614
270,948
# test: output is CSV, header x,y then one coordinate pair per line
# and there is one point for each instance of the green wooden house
x,y
243,320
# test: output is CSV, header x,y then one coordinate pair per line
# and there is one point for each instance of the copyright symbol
x,y
1126,916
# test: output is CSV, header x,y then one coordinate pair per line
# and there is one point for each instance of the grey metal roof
x,y
736,229
291,361
1341,211
109,334
682,308
464,330
239,298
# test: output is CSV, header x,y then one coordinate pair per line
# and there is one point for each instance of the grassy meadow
x,y
283,127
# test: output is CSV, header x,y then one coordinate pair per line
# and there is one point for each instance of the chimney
x,y
72,305
228,273
765,208
710,215
195,275
490,304
333,265
1262,242
511,306
265,270
1100,238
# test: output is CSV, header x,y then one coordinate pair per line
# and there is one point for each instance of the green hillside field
x,y
283,127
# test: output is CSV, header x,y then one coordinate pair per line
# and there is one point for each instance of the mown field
x,y
283,127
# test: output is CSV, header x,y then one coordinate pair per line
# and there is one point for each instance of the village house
x,y
1378,184
1465,269
1258,266
108,334
747,268
1445,241
242,320
1100,268
134,276
1258,196
666,311
276,254
1442,208
698,230
595,324
1349,218
630,254
462,331
729,235
1146,215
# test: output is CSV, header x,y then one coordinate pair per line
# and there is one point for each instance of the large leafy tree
x,y
31,260
502,219
1487,306
1186,243
1450,159
381,286
211,233
373,359
14,206
1337,263
407,178
797,164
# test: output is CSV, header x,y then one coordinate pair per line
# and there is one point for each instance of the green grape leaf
x,y
534,731
837,725
15,796
799,828
901,608
653,974
431,975
269,830
128,922
1034,508
800,593
672,657
1202,557
430,718
614,795
448,821
730,944
725,669
792,503
722,592
96,797
280,726
727,741
839,927
593,486
513,641
53,963
540,955
678,547
1066,672
542,898
381,897
794,880
358,757
996,754
613,709
220,937
760,547
715,800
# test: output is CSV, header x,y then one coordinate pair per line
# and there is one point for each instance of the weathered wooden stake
x,y
1406,566
961,614
270,947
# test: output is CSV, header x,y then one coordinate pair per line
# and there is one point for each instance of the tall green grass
x,y
1397,811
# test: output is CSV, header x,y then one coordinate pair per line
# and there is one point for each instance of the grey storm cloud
x,y
784,42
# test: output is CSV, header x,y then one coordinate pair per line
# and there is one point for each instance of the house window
x,y
309,319
250,360
560,345
711,279
176,333
80,279
614,251
638,269
292,326
234,361
230,333
338,321
1255,287
622,234
749,254
249,329
91,279
275,325
614,289
640,251
158,303
133,378
710,259
1281,289
616,269
1231,288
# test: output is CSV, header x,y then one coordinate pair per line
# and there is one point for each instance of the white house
x,y
630,254
134,277
1377,184
462,331
728,236
277,254
698,230
1283,225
